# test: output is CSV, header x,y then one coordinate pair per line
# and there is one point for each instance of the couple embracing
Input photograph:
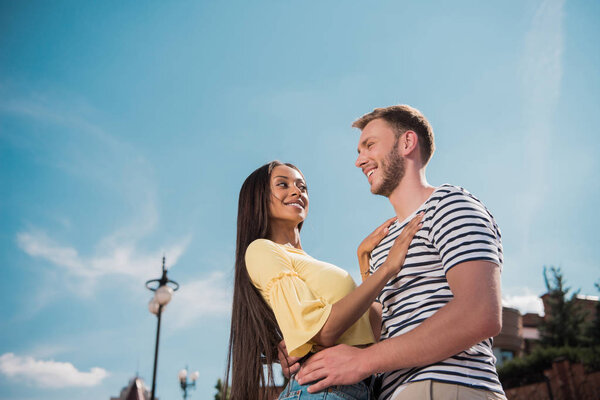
x,y
420,324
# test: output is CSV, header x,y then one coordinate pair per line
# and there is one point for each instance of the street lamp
x,y
185,384
162,296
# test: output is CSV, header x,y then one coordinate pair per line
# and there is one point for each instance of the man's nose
x,y
360,160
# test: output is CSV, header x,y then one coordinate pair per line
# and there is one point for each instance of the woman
x,y
280,292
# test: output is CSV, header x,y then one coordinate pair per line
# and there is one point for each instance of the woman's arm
x,y
367,246
364,254
363,263
349,309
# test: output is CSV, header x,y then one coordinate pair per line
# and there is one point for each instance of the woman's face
x,y
289,196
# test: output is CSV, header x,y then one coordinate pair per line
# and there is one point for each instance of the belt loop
x,y
289,385
430,389
371,386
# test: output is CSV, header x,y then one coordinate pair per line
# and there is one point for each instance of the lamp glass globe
x,y
153,306
182,375
163,295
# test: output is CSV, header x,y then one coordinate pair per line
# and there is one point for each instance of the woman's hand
x,y
371,241
349,309
289,364
397,254
367,246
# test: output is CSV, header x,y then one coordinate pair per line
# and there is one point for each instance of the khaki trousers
x,y
431,390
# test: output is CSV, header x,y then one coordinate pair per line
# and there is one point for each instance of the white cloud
x,y
113,258
542,61
50,350
201,298
541,73
101,159
37,244
524,300
50,374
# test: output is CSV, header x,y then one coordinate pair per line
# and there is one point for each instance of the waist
x,y
317,347
360,390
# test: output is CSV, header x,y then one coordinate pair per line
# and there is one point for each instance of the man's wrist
x,y
367,362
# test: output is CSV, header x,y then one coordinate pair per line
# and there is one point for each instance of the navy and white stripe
x,y
456,228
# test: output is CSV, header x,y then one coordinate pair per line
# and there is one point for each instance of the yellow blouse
x,y
301,290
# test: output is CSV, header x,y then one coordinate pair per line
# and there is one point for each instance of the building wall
x,y
509,343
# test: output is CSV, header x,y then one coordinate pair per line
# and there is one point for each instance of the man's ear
x,y
408,143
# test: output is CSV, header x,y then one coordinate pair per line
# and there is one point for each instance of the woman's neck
x,y
282,234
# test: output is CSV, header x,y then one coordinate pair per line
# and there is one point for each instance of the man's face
x,y
378,157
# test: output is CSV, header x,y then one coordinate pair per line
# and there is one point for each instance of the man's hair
x,y
403,118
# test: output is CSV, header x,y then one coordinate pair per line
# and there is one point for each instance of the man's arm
x,y
473,315
375,320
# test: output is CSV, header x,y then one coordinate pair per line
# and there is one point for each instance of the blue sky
x,y
126,131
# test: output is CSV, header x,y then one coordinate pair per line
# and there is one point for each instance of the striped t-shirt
x,y
456,228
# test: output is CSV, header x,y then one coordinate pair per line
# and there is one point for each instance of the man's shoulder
x,y
451,203
448,193
455,206
447,189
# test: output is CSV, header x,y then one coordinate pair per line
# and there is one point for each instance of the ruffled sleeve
x,y
299,311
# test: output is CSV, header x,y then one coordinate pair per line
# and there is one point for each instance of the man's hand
x,y
289,364
339,365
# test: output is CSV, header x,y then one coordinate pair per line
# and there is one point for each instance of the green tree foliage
x,y
564,335
594,331
564,323
530,369
219,394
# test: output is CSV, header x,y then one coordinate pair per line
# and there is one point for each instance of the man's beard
x,y
393,168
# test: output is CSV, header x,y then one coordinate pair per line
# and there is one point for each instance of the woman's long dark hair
x,y
254,331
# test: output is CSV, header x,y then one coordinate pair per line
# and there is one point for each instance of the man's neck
x,y
412,191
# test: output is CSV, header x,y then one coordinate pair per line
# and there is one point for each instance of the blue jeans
x,y
295,391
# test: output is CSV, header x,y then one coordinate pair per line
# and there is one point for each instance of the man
x,y
439,313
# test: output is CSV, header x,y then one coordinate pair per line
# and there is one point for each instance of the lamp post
x,y
162,296
184,383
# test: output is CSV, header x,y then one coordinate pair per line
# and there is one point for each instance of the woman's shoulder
x,y
266,259
262,245
265,249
